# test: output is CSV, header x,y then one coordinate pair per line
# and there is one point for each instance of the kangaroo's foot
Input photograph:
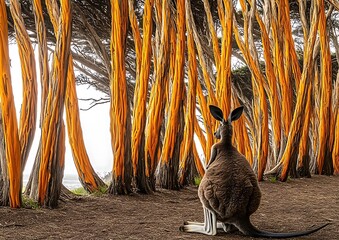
x,y
208,227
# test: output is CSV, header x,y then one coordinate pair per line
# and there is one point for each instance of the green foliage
x,y
82,192
272,179
79,191
288,179
29,203
102,190
197,181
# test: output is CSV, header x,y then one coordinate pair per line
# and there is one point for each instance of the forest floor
x,y
298,204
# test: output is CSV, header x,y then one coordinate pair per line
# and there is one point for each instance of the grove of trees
x,y
160,64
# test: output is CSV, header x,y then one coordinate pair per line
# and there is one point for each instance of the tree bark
x,y
186,155
324,161
140,164
169,165
159,89
260,111
299,116
9,122
28,113
4,179
52,150
120,109
303,167
88,178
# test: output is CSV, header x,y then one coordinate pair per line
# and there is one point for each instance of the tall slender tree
x,y
53,136
88,177
119,107
28,113
187,162
139,159
298,118
260,114
159,89
11,173
324,161
169,165
32,183
335,151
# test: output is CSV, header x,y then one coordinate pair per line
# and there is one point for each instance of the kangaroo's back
x,y
229,185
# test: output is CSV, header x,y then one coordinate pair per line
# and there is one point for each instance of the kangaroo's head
x,y
225,129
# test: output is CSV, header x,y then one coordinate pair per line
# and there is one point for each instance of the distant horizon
x,y
70,180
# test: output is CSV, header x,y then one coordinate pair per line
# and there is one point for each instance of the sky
x,y
94,122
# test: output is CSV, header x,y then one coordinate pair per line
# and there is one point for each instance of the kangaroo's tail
x,y
247,228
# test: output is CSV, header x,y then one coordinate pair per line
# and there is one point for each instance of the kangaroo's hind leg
x,y
208,227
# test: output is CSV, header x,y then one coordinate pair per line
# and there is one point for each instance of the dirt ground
x,y
298,204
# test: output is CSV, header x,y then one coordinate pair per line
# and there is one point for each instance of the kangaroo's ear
x,y
235,114
217,113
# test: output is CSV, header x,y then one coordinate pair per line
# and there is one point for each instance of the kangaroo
x,y
229,190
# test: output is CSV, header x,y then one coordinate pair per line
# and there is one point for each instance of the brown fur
x,y
229,186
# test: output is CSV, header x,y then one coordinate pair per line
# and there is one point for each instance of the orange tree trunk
x,y
335,152
43,51
44,81
164,65
213,32
272,90
303,155
204,101
324,161
119,107
88,178
290,51
169,165
240,134
159,90
315,116
263,130
12,179
223,81
139,112
186,148
53,146
299,116
260,111
90,181
29,83
136,35
333,118
224,84
278,22
208,142
4,180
